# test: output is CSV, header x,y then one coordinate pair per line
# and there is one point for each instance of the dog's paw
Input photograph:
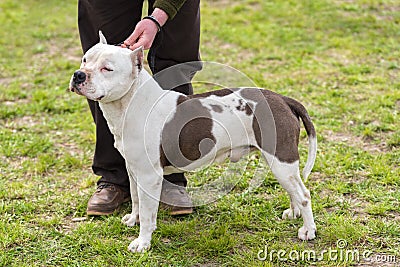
x,y
307,233
291,213
130,219
139,245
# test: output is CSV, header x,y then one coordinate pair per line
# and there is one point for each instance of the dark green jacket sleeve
x,y
171,7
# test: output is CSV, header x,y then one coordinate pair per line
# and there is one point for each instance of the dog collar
x,y
121,43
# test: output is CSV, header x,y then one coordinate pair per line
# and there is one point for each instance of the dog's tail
x,y
300,111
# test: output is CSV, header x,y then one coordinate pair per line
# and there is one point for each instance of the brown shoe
x,y
106,199
175,199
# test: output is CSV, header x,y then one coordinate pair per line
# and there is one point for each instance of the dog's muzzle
x,y
79,77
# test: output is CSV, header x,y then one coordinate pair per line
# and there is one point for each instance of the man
x,y
172,34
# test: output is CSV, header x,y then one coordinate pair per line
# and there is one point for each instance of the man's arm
x,y
171,7
146,30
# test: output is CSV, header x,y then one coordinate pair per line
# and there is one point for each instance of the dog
x,y
161,132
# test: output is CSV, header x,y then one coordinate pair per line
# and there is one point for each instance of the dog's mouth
x,y
76,90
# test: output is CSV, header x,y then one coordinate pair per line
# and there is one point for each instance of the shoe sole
x,y
171,212
181,212
105,212
98,213
174,210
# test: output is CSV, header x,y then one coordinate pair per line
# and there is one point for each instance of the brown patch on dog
x,y
216,108
245,106
222,92
187,136
275,126
300,111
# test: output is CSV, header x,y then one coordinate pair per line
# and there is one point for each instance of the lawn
x,y
340,58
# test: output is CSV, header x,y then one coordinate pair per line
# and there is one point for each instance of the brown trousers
x,y
178,43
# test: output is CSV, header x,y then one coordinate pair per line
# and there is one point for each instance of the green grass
x,y
339,58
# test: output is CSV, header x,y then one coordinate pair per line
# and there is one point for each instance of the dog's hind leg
x,y
293,212
288,175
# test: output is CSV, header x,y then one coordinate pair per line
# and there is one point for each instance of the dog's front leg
x,y
149,191
132,218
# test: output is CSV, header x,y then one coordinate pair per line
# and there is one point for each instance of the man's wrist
x,y
155,21
160,15
171,7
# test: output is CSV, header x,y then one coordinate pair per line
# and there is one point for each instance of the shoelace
x,y
103,185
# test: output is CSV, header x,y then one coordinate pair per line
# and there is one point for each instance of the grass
x,y
339,58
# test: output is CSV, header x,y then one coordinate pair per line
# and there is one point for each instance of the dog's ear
x,y
137,56
102,38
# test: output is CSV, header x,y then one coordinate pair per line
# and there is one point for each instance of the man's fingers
x,y
144,42
133,38
143,35
136,45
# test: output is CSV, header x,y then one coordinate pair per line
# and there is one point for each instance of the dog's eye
x,y
84,60
106,69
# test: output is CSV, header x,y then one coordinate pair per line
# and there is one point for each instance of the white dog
x,y
161,132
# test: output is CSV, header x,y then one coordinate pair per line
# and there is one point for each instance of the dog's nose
x,y
79,76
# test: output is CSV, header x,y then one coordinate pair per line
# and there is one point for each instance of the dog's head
x,y
107,72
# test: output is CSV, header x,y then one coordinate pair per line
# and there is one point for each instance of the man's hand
x,y
145,31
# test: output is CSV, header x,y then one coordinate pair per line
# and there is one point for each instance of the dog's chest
x,y
114,113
